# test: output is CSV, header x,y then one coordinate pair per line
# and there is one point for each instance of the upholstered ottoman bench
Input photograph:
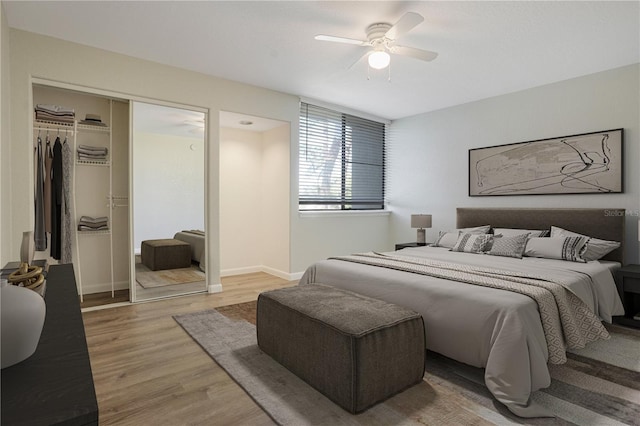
x,y
165,254
356,350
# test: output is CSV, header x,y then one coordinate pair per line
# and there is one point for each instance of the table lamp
x,y
421,221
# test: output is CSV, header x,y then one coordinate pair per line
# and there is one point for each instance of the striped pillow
x,y
472,243
509,246
563,248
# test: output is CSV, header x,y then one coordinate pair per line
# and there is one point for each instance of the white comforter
x,y
480,326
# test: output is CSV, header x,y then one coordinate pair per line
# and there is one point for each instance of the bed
x,y
495,329
196,240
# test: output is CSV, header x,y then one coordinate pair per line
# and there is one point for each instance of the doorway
x,y
254,195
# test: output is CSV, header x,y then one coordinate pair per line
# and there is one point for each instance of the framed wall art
x,y
589,163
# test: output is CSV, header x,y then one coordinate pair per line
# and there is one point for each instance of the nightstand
x,y
628,283
405,245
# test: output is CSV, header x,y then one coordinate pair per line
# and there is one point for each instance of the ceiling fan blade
x,y
322,37
361,57
423,55
408,21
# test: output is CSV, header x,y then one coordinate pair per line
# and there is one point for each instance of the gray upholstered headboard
x,y
606,224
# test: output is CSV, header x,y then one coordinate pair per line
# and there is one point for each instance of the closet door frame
x,y
34,80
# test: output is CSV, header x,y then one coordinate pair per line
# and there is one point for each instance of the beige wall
x,y
47,58
240,195
254,201
274,213
5,142
32,55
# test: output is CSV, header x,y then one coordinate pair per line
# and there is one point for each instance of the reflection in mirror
x,y
168,155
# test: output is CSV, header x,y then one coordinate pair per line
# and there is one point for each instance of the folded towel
x,y
88,228
54,109
90,219
92,149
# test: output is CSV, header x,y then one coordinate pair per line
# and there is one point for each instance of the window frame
x,y
343,202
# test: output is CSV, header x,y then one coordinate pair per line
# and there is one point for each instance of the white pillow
x,y
596,249
562,248
472,243
448,239
511,232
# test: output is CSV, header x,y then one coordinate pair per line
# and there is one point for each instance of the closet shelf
x,y
55,124
102,232
90,128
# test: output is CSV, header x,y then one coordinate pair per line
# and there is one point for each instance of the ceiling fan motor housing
x,y
376,32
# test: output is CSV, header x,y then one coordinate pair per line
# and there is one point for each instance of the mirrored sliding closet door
x,y
168,201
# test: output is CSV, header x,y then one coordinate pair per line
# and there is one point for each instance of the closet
x,y
98,135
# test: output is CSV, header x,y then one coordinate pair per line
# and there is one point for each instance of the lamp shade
x,y
421,221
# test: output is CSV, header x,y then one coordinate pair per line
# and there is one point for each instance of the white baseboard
x,y
266,269
214,288
240,271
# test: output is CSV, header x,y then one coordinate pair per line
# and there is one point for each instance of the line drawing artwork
x,y
579,164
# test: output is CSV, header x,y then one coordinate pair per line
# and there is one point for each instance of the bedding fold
x,y
567,321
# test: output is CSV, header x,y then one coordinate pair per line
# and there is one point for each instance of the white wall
x,y
168,185
428,159
5,143
254,201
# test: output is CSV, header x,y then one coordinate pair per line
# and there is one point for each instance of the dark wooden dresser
x,y
55,384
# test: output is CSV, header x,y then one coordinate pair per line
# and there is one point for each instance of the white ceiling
x,y
485,48
248,122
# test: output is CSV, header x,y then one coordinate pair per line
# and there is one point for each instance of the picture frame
x,y
586,163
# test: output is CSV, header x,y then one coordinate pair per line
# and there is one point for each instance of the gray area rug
x,y
600,386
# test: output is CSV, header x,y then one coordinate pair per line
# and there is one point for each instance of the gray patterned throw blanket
x,y
566,319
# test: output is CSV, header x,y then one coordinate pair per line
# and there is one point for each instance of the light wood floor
x,y
148,371
104,298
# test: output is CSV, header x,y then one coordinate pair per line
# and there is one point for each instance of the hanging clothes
x,y
48,162
67,227
39,235
56,200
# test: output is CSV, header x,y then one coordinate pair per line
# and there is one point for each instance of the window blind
x,y
341,161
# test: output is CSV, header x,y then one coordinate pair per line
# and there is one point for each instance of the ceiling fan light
x,y
379,60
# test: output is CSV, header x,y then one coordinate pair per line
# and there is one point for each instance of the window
x,y
341,161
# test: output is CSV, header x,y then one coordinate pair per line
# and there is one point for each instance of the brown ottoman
x,y
356,350
165,254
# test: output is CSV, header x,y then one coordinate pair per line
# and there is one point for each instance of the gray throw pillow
x,y
509,246
472,243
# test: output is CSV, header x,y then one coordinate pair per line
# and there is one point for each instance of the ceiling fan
x,y
381,41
